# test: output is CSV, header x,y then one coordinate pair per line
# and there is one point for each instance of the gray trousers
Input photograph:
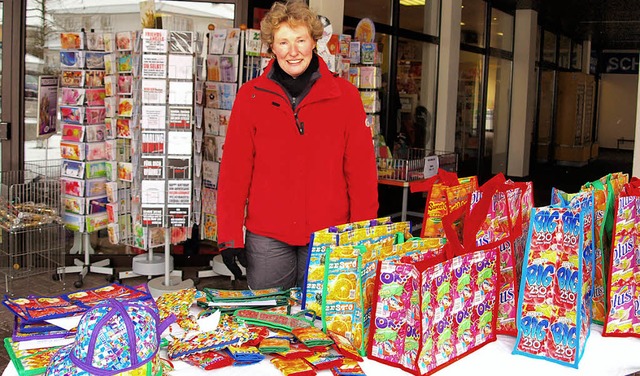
x,y
272,263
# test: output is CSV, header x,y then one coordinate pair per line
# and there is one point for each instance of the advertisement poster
x,y
47,104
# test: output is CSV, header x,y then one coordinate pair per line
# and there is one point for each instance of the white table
x,y
603,356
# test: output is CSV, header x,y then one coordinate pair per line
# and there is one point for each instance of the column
x,y
448,64
523,92
332,9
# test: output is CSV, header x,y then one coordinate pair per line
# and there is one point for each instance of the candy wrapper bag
x,y
430,313
498,222
605,192
320,241
445,192
623,315
554,306
348,285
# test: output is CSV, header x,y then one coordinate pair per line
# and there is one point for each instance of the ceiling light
x,y
409,3
495,18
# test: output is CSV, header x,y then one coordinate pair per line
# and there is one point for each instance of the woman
x,y
298,155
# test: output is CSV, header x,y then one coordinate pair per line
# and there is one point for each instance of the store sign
x,y
620,62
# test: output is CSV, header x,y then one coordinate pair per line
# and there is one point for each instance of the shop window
x,y
473,22
576,56
501,30
564,54
549,47
469,111
416,83
376,10
496,138
420,16
545,114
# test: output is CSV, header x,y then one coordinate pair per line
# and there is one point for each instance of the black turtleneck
x,y
295,86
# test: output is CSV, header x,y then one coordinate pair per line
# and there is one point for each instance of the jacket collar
x,y
324,88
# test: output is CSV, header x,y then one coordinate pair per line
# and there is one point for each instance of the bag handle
x,y
443,176
478,214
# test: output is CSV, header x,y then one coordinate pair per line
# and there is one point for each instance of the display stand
x,y
83,267
157,132
225,58
82,114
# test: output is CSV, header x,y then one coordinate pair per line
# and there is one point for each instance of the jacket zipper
x,y
299,124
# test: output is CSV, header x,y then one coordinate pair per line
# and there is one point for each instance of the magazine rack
x,y
409,165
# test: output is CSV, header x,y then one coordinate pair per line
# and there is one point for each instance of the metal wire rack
x,y
408,165
32,236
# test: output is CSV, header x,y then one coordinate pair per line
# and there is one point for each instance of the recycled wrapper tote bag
x,y
605,192
113,338
554,306
433,312
499,223
445,192
349,283
320,240
623,315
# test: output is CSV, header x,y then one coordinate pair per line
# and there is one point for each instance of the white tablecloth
x,y
603,356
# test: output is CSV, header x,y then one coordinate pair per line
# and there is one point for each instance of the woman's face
x,y
293,47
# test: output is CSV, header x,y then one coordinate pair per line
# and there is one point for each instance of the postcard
x,y
72,59
94,97
72,169
153,191
179,143
94,60
180,42
72,132
125,171
153,142
181,67
179,192
95,115
153,117
125,83
125,106
94,78
72,78
123,41
154,40
178,167
125,63
95,41
72,41
180,117
181,92
154,91
152,167
154,66
179,215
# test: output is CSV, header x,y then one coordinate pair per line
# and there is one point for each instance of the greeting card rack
x,y
232,57
32,235
149,192
83,116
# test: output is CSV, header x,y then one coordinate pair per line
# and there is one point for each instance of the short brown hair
x,y
295,13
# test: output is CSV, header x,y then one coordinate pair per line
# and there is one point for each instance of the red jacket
x,y
294,184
